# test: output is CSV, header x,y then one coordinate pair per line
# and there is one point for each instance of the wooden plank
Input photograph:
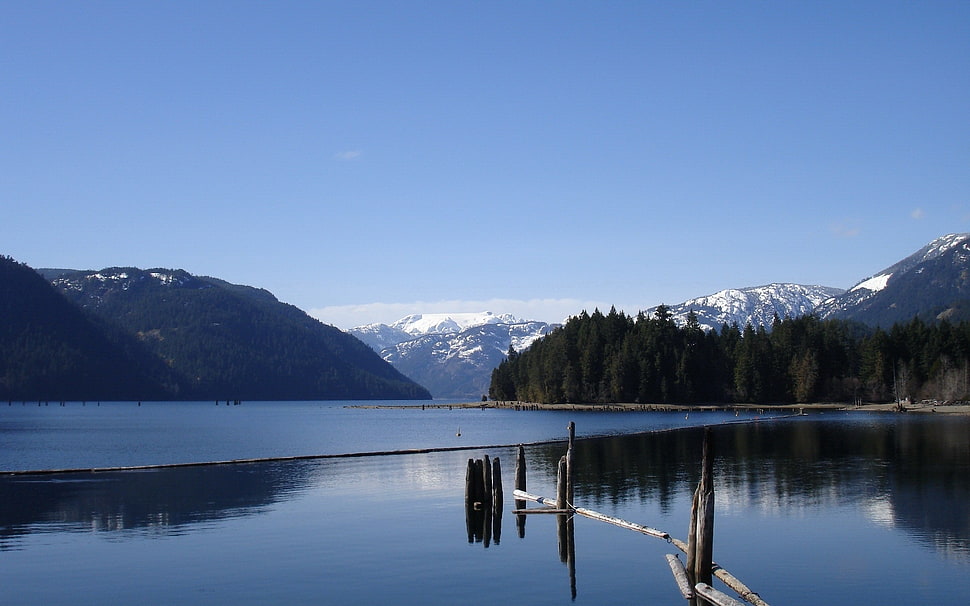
x,y
714,596
680,576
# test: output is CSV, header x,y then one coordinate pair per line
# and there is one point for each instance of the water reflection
x,y
912,473
163,501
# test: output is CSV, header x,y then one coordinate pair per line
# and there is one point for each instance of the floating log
x,y
714,596
528,496
602,517
546,510
680,576
589,513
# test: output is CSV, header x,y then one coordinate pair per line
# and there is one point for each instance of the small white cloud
x,y
348,155
917,214
545,310
843,230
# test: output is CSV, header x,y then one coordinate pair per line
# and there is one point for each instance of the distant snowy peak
x,y
452,355
380,336
426,324
756,305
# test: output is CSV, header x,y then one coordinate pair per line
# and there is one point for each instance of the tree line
x,y
602,358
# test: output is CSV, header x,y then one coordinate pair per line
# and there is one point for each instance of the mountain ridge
x,y
219,340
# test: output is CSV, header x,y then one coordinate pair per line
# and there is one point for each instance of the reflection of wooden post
x,y
700,536
520,485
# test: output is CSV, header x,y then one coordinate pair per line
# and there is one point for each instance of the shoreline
x,y
962,408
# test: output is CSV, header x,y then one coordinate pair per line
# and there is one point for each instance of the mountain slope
x,y
453,355
932,282
235,342
755,305
51,350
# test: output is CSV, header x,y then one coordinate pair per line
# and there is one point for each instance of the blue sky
x,y
366,160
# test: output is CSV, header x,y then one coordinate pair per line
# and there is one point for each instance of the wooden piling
x,y
519,504
497,492
700,556
486,482
570,487
561,484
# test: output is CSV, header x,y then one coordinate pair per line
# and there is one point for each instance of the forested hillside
x,y
235,342
616,358
127,334
52,350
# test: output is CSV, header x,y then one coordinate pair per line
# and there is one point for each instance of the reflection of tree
x,y
919,465
159,499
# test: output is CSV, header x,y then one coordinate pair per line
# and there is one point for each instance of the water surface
x,y
827,509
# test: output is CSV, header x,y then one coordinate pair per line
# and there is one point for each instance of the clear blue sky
x,y
365,160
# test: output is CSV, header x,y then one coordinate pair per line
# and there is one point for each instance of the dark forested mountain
x,y
235,342
932,283
168,334
50,349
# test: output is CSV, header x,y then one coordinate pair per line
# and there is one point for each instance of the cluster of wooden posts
x,y
483,500
693,580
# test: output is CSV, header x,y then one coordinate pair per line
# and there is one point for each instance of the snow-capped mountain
x,y
756,305
930,282
452,355
428,324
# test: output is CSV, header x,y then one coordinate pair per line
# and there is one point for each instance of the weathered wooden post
x,y
520,485
486,483
570,492
561,484
497,492
700,536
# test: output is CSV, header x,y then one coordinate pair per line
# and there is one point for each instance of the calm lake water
x,y
823,509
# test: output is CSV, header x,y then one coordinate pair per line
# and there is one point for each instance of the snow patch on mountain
x,y
874,284
756,305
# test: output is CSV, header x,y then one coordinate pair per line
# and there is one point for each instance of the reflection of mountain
x,y
160,500
914,474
